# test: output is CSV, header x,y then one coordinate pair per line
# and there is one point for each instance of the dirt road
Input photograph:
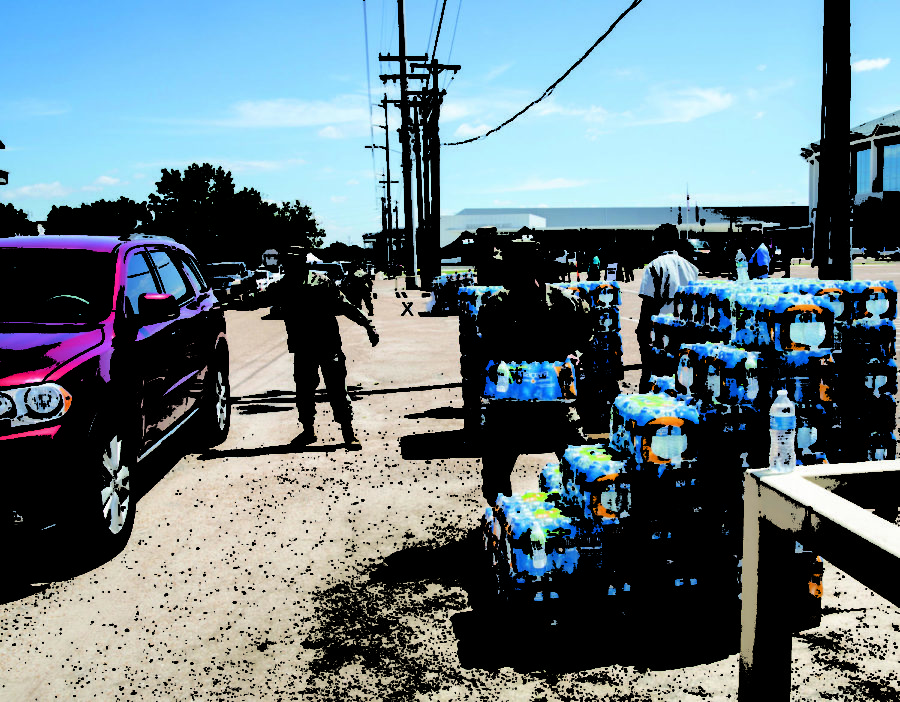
x,y
262,571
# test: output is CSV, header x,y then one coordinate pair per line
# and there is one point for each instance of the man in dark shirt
x,y
527,321
310,303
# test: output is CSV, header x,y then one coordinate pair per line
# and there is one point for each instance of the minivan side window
x,y
193,271
138,280
188,273
170,275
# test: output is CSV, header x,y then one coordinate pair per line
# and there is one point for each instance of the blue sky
x,y
96,97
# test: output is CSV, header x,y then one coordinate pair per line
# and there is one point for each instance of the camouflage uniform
x,y
358,289
310,310
522,326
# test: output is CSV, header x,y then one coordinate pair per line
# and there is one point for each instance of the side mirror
x,y
156,307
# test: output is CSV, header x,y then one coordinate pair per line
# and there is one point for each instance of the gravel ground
x,y
260,571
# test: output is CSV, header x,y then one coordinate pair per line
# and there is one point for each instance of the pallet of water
x,y
652,429
531,545
717,372
538,381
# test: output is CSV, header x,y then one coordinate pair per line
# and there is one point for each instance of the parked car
x,y
232,281
700,253
111,346
334,270
857,252
888,252
264,278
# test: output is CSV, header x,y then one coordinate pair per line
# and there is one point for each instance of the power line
x,y
559,80
369,84
438,35
433,15
453,39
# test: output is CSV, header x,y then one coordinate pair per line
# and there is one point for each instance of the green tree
x,y
295,225
120,217
202,209
14,222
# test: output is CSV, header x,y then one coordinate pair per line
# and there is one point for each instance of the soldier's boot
x,y
351,442
308,435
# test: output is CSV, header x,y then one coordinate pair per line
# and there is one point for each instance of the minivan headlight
x,y
33,404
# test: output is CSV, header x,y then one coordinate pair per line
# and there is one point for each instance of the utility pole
x,y
420,220
409,255
832,223
430,238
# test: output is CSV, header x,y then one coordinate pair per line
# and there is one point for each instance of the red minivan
x,y
107,347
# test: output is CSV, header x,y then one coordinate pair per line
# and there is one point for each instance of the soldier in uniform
x,y
310,303
527,321
358,288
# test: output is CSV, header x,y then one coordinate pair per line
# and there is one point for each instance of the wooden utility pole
x,y
409,253
429,240
832,223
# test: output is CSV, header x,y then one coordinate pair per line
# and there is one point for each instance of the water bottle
x,y
503,377
782,430
740,262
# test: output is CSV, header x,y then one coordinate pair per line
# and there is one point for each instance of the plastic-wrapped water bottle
x,y
503,377
740,262
782,432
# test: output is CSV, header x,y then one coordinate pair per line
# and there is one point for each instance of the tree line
x,y
200,208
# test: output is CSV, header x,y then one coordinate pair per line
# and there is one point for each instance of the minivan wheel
x,y
216,412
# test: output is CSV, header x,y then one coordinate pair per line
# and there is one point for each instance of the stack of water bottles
x,y
543,381
569,540
829,343
678,510
531,545
445,289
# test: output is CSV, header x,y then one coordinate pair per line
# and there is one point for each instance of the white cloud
x,y
466,130
287,112
353,181
761,67
537,184
497,71
330,132
91,188
759,114
686,105
869,64
31,107
138,176
38,190
337,199
772,196
106,180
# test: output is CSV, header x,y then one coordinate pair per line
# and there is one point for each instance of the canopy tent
x,y
312,259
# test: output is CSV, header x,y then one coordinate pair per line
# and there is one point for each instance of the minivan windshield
x,y
56,285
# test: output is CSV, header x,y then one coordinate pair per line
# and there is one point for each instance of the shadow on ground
x,y
377,623
454,443
286,400
36,560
